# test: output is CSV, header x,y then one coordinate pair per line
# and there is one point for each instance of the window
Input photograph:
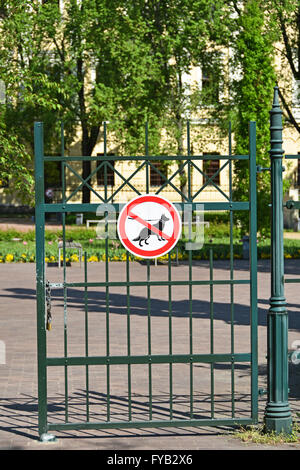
x,y
298,170
210,167
155,178
209,86
101,172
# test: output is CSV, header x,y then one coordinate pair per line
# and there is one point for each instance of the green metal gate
x,y
97,385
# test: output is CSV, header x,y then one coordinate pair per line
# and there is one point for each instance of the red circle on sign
x,y
127,211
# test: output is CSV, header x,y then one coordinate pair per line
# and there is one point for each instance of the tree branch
x,y
60,52
93,138
291,118
289,54
235,6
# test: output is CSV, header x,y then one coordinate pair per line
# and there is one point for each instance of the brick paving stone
x,y
18,376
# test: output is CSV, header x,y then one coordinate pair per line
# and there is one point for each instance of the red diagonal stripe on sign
x,y
149,226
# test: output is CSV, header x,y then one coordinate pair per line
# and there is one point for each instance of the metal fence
x,y
144,377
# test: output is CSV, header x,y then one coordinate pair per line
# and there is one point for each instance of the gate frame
x,y
43,362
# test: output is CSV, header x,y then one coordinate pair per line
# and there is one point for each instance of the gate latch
x,y
48,305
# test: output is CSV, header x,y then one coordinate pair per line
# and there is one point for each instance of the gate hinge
x,y
260,169
294,356
289,204
262,391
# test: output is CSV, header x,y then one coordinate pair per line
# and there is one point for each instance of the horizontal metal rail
x,y
92,207
150,283
77,158
149,424
146,359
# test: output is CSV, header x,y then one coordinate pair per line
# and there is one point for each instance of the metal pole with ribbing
x,y
277,413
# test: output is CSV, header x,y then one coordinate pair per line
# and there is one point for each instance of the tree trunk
x,y
86,166
180,150
88,143
89,139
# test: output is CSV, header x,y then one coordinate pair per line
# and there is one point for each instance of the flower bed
x,y
20,247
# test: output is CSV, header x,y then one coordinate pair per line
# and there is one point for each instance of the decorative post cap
x,y
276,105
276,128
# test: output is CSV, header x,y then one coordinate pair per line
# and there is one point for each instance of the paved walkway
x,y
18,375
24,225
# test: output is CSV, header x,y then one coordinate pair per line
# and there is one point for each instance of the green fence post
x,y
40,280
277,413
253,269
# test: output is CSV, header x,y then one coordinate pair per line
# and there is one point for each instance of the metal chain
x,y
48,303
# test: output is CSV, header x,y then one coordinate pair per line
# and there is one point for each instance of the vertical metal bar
x,y
231,278
211,314
190,274
40,276
65,317
189,160
230,138
232,316
63,182
170,337
230,161
86,337
148,287
128,337
105,138
191,320
107,288
253,269
62,151
107,279
107,331
149,338
62,139
278,414
146,155
105,165
64,273
146,139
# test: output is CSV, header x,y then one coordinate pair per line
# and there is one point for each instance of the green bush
x,y
9,234
216,238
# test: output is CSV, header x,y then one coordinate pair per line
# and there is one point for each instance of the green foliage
x,y
50,235
127,63
14,169
252,98
122,62
283,24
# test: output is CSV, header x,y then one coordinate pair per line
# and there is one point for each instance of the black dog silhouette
x,y
146,232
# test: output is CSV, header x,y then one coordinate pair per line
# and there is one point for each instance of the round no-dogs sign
x,y
149,226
